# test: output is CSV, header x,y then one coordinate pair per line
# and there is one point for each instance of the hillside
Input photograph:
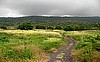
x,y
88,22
43,19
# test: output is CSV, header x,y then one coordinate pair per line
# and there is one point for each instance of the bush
x,y
10,53
68,28
97,37
50,27
26,53
15,54
58,27
25,26
3,27
90,39
40,27
72,28
4,39
47,46
97,47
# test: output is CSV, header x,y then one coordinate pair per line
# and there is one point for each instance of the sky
x,y
18,8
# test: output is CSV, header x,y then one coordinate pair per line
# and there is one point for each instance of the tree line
x,y
62,23
30,26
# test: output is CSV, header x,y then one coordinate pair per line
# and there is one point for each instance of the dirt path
x,y
64,53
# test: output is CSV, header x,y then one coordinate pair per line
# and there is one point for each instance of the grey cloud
x,y
54,7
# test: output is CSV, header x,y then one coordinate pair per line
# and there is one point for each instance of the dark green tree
x,y
3,27
25,26
50,27
40,27
58,27
69,28
76,27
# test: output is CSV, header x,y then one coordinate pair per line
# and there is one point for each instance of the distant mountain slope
x,y
51,20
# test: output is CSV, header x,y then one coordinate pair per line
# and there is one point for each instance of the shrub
x,y
25,26
68,28
26,54
90,39
97,47
3,27
4,39
47,46
50,27
40,27
10,53
97,37
58,27
87,53
15,54
72,28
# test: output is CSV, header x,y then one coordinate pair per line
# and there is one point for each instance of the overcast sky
x,y
49,7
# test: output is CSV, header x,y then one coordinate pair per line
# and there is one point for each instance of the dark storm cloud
x,y
52,7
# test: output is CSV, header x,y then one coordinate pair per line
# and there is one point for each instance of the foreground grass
x,y
88,47
28,46
37,45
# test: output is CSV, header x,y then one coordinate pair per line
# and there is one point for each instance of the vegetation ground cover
x,y
29,45
37,45
88,47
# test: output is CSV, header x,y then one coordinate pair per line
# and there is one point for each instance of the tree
x,y
50,27
76,27
58,27
25,26
69,28
40,27
3,27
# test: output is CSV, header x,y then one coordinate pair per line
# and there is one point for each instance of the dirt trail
x,y
65,50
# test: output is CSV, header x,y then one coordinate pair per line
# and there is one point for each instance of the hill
x,y
87,22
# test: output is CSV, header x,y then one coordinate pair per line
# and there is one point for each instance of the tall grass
x,y
88,44
17,45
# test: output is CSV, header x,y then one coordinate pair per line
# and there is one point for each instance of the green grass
x,y
37,45
26,46
88,43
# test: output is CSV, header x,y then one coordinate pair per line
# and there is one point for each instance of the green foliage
x,y
90,39
81,45
40,27
21,46
4,37
72,28
15,54
82,23
47,46
59,27
88,42
3,27
50,27
97,46
26,54
69,28
25,26
10,53
98,37
87,53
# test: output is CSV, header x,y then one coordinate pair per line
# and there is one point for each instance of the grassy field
x,y
88,45
37,45
28,46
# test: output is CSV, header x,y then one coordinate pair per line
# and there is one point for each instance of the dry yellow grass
x,y
31,32
52,39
